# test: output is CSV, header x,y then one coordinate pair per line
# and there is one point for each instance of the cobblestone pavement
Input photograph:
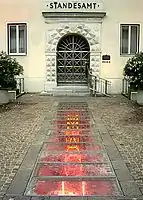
x,y
124,122
20,123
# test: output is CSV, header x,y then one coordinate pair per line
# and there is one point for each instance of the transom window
x,y
129,39
17,39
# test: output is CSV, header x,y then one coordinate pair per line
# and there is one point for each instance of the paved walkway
x,y
119,122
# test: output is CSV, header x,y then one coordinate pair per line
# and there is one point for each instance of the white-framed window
x,y
17,38
129,38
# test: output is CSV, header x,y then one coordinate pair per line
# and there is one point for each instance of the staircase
x,y
71,91
96,87
74,90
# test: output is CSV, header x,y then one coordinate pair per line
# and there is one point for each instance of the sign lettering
x,y
73,5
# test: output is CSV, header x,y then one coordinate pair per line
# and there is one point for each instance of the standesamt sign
x,y
73,6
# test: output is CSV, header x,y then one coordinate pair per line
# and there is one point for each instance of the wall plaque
x,y
106,58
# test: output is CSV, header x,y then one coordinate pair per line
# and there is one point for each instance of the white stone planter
x,y
12,95
139,97
134,96
4,97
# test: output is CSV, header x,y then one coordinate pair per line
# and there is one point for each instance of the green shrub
x,y
9,68
134,71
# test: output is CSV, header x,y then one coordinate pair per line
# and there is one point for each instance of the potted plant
x,y
133,70
9,68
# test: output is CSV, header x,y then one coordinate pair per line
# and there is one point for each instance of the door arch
x,y
73,56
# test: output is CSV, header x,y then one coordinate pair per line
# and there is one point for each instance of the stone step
x,y
70,94
71,89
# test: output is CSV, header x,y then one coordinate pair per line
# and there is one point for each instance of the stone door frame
x,y
56,29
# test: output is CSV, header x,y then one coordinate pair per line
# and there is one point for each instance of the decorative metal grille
x,y
73,54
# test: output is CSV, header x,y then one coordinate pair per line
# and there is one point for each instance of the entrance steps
x,y
68,91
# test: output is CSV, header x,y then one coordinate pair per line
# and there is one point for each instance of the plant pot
x,y
133,96
12,95
139,97
4,97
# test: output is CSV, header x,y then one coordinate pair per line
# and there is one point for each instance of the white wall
x,y
34,61
118,12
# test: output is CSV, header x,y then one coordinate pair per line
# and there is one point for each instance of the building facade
x,y
57,41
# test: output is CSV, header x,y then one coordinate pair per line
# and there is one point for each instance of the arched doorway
x,y
73,56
